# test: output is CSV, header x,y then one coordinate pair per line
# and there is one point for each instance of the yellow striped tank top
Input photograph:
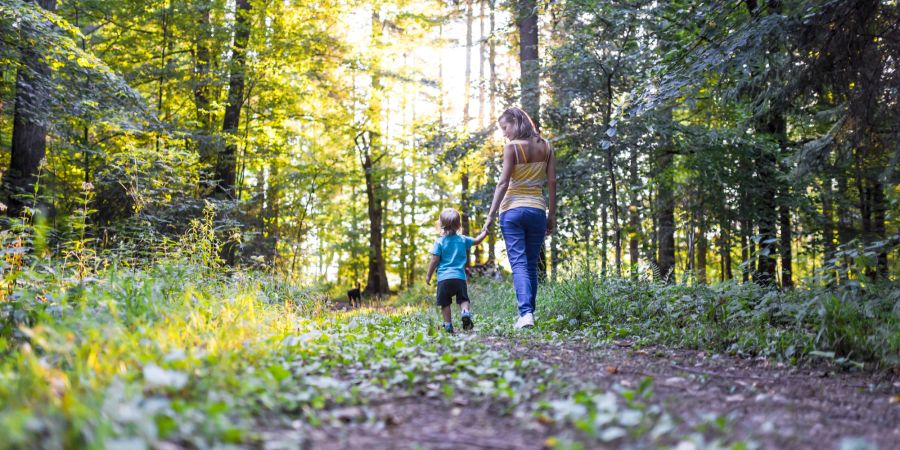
x,y
526,186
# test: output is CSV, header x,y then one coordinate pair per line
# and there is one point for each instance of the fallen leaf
x,y
612,369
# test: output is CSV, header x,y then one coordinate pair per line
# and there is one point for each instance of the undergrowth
x,y
175,354
850,326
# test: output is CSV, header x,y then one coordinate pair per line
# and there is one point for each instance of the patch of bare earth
x,y
812,407
428,423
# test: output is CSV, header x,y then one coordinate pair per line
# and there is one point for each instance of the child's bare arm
x,y
480,238
435,259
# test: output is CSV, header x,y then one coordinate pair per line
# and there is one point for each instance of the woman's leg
x,y
535,232
514,236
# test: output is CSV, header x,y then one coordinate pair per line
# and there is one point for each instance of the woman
x,y
525,217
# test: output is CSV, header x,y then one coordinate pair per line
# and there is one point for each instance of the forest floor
x,y
755,402
175,356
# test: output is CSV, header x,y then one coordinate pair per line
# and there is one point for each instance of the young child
x,y
449,258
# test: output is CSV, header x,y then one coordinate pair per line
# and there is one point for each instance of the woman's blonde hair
x,y
450,221
522,125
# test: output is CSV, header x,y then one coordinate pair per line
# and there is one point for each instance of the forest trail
x,y
768,404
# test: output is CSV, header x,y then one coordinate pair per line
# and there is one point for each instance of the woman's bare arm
x,y
551,189
509,160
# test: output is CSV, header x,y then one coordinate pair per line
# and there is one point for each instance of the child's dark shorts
x,y
447,289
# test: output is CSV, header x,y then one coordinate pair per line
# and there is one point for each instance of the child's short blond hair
x,y
450,221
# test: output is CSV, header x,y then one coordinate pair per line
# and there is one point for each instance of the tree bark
x,y
702,246
29,135
604,235
827,223
879,210
786,253
666,215
226,163
202,92
376,283
634,221
725,248
529,81
492,98
527,24
464,177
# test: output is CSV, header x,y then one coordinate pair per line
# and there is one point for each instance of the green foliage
x,y
852,324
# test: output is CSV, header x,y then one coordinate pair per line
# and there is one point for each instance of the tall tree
x,y
29,136
492,100
529,65
371,148
464,176
226,163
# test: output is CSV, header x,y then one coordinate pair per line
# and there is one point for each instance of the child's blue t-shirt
x,y
452,251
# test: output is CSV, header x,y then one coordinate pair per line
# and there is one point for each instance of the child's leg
x,y
463,300
445,311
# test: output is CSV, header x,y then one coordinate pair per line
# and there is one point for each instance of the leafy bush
x,y
847,323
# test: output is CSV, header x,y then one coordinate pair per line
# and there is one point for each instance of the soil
x,y
815,406
812,407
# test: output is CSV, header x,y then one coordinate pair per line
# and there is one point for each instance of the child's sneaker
x,y
448,327
525,321
467,320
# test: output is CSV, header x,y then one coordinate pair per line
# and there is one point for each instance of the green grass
x,y
849,325
182,354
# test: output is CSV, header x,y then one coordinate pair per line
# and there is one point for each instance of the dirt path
x,y
813,407
777,407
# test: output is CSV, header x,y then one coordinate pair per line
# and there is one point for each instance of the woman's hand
x,y
488,223
551,225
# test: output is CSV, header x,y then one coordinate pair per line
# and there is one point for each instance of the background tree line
x,y
743,140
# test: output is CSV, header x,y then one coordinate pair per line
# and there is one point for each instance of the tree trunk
x,y
481,61
492,98
652,251
702,246
202,92
787,280
745,254
29,135
617,231
377,278
527,24
603,236
529,81
666,216
272,204
767,214
766,163
879,210
464,178
634,221
226,163
828,224
610,156
376,283
411,277
725,248
478,250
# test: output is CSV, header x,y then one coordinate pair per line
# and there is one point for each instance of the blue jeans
x,y
523,231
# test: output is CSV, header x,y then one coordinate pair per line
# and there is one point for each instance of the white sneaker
x,y
525,321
